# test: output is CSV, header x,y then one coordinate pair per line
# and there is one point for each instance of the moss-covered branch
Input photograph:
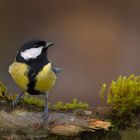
x,y
31,100
27,122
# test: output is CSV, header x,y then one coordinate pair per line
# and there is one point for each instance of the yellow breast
x,y
45,79
19,72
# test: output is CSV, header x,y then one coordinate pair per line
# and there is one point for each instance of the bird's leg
x,y
16,101
46,111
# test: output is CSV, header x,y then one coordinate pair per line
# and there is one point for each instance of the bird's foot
x,y
15,103
45,117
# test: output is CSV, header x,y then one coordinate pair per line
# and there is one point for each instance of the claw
x,y
16,101
45,117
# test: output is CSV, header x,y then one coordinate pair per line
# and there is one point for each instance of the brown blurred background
x,y
95,41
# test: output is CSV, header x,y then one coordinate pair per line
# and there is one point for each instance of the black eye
x,y
35,46
42,43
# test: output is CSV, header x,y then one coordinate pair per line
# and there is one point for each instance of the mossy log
x,y
21,121
26,122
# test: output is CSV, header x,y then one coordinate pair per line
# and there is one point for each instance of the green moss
x,y
31,100
3,90
123,95
35,101
75,104
103,90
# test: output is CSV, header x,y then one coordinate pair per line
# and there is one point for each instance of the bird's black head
x,y
33,51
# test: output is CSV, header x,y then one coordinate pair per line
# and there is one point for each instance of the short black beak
x,y
49,44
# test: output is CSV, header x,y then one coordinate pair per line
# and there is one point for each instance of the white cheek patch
x,y
31,53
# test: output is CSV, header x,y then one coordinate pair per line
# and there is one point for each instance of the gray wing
x,y
56,70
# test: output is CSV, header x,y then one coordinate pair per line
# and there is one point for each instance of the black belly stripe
x,y
34,69
31,76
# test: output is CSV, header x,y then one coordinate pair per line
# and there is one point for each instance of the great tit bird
x,y
33,72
